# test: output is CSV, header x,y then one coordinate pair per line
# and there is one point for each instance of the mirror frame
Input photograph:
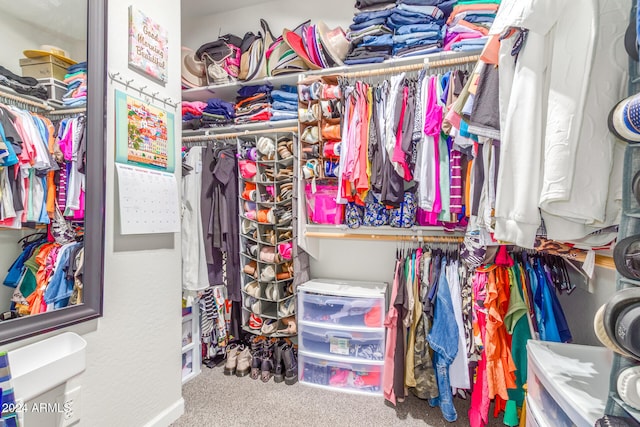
x,y
93,277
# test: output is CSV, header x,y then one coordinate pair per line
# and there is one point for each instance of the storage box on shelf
x,y
55,88
266,174
567,384
341,335
44,67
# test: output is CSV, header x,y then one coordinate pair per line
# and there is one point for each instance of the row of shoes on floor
x,y
263,358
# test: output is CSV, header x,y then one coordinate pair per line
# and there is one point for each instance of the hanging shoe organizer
x,y
266,164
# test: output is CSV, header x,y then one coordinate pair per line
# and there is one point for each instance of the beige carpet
x,y
213,399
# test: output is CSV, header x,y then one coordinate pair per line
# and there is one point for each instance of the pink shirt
x,y
391,323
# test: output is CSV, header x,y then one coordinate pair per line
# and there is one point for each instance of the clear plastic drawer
x,y
339,310
361,345
340,376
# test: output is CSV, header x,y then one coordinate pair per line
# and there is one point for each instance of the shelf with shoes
x,y
266,239
341,335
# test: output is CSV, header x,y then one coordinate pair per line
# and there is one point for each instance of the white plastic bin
x,y
568,384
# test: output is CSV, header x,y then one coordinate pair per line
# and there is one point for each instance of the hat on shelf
x,y
624,119
296,43
617,323
601,333
628,385
626,255
622,320
193,74
46,49
334,42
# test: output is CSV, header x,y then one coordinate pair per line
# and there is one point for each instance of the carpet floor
x,y
214,399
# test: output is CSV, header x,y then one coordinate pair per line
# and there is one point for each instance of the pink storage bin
x,y
321,205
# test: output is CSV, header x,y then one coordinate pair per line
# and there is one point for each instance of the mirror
x,y
63,46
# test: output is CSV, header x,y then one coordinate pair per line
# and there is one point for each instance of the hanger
x,y
32,238
578,270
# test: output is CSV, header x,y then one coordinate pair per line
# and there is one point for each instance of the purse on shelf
x,y
253,63
405,215
331,108
330,132
309,115
310,135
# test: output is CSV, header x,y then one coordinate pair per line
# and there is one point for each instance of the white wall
x,y
279,14
19,35
133,375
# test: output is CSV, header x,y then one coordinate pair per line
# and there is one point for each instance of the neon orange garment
x,y
500,365
467,189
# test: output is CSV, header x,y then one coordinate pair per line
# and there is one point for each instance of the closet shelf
x,y
228,91
249,127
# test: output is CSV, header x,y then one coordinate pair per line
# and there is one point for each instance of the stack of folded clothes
x,y
419,26
192,114
383,28
253,104
370,36
217,113
284,103
469,23
22,85
76,81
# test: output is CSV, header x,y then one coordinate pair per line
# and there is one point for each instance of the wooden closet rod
x,y
214,137
384,237
551,247
413,67
25,101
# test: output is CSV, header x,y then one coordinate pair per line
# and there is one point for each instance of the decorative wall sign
x,y
148,46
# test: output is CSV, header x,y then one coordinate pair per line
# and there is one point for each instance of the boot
x,y
266,369
232,359
278,368
290,365
243,365
256,364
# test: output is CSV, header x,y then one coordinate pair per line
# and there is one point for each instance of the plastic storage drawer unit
x,y
567,384
341,335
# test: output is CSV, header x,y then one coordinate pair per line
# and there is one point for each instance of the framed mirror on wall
x,y
52,164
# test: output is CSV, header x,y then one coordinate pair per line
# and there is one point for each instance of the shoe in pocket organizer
x,y
631,182
360,345
345,311
352,377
